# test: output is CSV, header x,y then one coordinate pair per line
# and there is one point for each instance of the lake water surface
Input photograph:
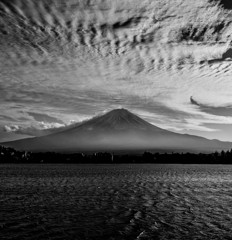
x,y
115,202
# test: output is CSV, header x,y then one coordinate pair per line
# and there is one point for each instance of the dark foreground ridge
x,y
10,155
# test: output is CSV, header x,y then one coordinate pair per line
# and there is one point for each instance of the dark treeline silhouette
x,y
10,155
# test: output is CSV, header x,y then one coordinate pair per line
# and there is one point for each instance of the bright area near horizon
x,y
66,61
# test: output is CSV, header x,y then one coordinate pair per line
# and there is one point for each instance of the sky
x,y
168,61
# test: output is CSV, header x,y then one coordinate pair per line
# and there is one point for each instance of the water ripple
x,y
115,202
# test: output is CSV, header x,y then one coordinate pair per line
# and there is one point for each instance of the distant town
x,y
10,155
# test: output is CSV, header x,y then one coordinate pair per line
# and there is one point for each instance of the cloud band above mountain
x,y
72,59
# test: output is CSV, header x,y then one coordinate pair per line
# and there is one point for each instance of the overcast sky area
x,y
168,61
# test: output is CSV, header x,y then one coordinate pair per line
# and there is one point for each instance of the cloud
x,y
215,110
44,118
12,128
66,60
40,129
226,4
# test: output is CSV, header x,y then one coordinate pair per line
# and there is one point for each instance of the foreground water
x,y
115,202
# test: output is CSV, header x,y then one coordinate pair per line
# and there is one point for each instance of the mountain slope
x,y
118,130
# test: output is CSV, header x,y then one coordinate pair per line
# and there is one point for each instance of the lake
x,y
115,201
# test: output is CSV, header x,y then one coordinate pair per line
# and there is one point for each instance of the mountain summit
x,y
117,119
118,130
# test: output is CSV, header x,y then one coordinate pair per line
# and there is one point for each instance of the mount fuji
x,y
118,130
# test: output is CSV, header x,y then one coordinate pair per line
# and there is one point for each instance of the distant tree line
x,y
10,155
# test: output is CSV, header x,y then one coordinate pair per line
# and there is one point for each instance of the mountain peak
x,y
119,111
119,118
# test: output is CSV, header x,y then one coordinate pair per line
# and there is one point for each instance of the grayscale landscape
x,y
115,119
